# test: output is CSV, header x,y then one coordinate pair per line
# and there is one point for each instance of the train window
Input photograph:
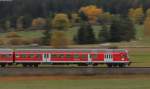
x,y
68,56
23,55
76,56
54,55
84,56
17,55
31,55
61,56
38,56
5,55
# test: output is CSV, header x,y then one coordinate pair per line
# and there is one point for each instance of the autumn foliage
x,y
147,26
136,15
59,40
61,21
92,12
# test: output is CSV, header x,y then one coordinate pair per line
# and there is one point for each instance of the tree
x,y
92,12
75,18
105,18
59,39
122,29
61,22
136,15
46,37
104,35
148,12
85,34
147,26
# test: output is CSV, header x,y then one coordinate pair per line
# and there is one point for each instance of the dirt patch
x,y
28,78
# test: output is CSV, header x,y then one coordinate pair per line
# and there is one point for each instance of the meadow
x,y
107,83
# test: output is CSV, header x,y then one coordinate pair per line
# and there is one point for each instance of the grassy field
x,y
77,84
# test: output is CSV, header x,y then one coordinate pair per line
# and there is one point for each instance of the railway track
x,y
73,71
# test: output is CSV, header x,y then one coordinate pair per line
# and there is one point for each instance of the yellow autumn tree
x,y
147,26
136,15
92,12
61,22
59,39
148,12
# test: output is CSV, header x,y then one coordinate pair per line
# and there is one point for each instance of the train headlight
x,y
122,59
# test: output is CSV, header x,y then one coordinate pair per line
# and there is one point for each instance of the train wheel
x,y
30,65
95,65
109,65
121,65
36,65
24,65
3,65
115,65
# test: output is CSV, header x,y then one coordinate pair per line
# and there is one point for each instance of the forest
x,y
116,19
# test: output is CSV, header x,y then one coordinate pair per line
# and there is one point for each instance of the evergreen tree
x,y
85,34
104,34
122,29
46,37
83,16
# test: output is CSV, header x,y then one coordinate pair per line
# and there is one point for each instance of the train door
x,y
108,57
89,58
46,57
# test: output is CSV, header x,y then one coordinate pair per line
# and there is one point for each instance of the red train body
x,y
82,57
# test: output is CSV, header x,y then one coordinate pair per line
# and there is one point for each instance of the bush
x,y
12,35
2,42
36,41
18,41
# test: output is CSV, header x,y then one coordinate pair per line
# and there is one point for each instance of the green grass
x,y
78,84
140,59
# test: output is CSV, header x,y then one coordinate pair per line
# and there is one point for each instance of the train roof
x,y
71,50
6,50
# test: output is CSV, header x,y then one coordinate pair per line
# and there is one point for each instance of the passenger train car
x,y
81,57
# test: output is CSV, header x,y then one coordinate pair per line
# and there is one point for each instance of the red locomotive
x,y
81,57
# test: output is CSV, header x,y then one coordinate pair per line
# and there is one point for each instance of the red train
x,y
81,57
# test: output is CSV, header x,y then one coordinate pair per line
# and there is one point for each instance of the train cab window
x,y
31,55
23,55
76,56
68,56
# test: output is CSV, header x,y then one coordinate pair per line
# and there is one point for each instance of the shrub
x,y
2,42
12,35
18,41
